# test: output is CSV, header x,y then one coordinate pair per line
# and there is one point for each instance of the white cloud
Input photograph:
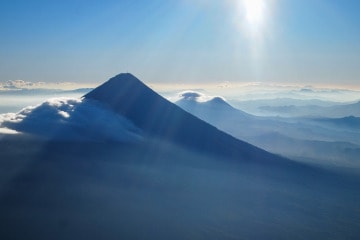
x,y
19,84
190,95
26,85
71,119
7,131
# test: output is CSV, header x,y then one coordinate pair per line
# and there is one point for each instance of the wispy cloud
x,y
17,85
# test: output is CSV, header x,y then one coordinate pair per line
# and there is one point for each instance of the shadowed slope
x,y
160,118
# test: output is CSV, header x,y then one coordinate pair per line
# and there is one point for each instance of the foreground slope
x,y
157,190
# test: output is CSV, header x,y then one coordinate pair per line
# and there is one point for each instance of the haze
x,y
181,41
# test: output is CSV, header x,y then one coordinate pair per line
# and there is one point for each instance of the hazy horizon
x,y
182,41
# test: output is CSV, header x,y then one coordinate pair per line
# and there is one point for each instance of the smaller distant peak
x,y
218,100
193,96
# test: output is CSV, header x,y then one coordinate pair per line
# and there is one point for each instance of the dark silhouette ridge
x,y
160,118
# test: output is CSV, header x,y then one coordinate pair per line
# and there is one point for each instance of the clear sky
x,y
181,41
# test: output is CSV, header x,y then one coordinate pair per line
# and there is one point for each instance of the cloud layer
x,y
70,119
18,85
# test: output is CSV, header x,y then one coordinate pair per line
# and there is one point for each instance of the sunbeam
x,y
254,12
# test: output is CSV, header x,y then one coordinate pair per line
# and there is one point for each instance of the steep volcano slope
x,y
159,118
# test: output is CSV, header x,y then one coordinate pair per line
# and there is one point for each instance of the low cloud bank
x,y
21,85
70,119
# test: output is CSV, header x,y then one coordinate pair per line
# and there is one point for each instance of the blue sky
x,y
182,41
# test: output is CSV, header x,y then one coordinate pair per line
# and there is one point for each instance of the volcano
x,y
157,117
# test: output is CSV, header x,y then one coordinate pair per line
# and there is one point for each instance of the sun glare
x,y
254,12
253,18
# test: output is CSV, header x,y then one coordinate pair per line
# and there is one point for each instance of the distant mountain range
x,y
324,140
300,108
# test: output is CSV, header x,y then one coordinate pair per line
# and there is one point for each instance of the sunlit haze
x,y
182,41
